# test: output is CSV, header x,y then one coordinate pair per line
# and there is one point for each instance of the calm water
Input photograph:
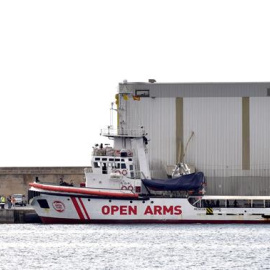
x,y
36,246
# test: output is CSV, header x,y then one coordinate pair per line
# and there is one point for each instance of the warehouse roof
x,y
213,89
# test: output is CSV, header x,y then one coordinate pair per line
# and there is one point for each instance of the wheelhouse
x,y
108,161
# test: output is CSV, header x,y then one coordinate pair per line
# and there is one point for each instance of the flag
x,y
136,98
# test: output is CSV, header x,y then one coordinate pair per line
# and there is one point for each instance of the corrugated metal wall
x,y
157,115
216,147
260,136
231,133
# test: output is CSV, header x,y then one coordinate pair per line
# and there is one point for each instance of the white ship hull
x,y
74,208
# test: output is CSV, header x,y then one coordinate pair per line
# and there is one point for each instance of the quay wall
x,y
16,179
18,215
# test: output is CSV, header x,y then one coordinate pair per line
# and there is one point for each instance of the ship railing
x,y
111,152
120,132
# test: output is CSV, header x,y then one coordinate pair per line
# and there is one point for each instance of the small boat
x,y
119,188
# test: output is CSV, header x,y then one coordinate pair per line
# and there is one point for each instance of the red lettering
x,y
105,210
148,210
177,210
114,209
167,210
132,210
157,210
123,210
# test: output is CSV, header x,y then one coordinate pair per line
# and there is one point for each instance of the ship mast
x,y
125,138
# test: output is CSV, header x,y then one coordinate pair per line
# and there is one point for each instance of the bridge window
x,y
96,165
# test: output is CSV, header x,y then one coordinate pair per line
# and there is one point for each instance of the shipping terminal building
x,y
221,129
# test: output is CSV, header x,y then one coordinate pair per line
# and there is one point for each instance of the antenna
x,y
111,115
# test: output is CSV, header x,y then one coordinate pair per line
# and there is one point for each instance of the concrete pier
x,y
18,215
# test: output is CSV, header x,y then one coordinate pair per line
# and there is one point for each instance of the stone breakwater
x,y
15,180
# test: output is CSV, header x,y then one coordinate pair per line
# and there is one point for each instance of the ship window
x,y
122,159
247,203
220,203
43,203
234,203
111,159
104,168
258,204
96,165
123,166
117,159
208,203
97,158
104,159
267,203
131,167
130,159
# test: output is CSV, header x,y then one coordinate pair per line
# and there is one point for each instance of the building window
x,y
142,93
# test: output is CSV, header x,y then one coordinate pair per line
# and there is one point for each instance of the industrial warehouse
x,y
221,129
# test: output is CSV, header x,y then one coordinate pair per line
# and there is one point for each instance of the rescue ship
x,y
119,188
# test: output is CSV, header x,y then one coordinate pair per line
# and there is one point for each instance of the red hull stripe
x,y
83,207
83,191
77,207
48,220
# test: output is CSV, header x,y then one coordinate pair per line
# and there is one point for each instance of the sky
x,y
61,63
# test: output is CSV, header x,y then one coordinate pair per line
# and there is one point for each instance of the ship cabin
x,y
230,201
113,162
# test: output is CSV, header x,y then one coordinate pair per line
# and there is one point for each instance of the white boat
x,y
119,189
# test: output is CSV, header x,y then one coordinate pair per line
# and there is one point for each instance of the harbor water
x,y
38,246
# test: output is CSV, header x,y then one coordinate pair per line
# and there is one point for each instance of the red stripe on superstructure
x,y
84,209
77,207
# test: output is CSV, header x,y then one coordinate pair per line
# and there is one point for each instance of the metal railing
x,y
122,132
